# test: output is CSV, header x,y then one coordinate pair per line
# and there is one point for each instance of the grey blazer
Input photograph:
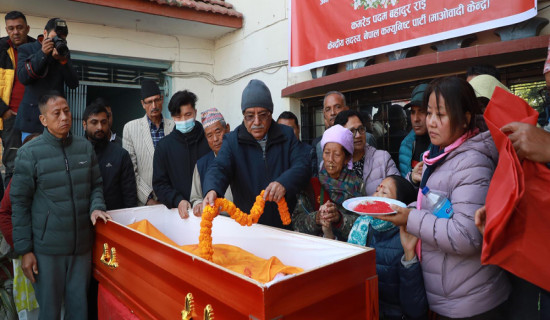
x,y
136,139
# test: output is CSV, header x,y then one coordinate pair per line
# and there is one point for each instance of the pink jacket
x,y
378,165
457,285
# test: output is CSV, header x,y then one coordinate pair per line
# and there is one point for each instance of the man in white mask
x,y
177,153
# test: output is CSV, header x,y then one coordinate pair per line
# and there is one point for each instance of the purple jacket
x,y
378,165
457,285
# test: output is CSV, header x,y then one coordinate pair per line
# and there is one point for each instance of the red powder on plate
x,y
373,207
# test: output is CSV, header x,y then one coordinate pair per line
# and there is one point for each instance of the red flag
x,y
517,231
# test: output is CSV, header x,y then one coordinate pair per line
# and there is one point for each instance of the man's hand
x,y
7,114
58,57
197,210
152,202
210,199
98,214
29,266
47,46
183,206
416,174
274,192
480,218
530,142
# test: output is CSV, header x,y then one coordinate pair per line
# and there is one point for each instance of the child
x,y
400,282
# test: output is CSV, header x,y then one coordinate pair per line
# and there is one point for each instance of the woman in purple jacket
x,y
459,165
368,162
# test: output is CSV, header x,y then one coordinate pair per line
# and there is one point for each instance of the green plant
x,y
366,4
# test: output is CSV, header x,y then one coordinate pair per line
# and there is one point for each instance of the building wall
x,y
184,53
262,40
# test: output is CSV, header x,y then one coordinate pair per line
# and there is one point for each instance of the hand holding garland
x,y
221,204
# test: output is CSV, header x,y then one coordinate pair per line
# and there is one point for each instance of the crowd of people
x,y
59,185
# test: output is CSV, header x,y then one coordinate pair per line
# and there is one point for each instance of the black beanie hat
x,y
149,88
256,94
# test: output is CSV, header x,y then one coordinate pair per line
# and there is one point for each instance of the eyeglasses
x,y
262,116
156,101
360,129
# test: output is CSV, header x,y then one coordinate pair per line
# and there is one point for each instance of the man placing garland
x,y
259,154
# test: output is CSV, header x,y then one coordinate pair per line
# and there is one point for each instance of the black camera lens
x,y
61,46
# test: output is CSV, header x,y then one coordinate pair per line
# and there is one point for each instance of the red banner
x,y
324,32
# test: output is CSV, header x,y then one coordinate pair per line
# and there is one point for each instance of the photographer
x,y
43,67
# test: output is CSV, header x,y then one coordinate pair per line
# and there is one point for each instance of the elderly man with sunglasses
x,y
259,154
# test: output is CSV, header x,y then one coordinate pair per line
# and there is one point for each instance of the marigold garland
x,y
244,219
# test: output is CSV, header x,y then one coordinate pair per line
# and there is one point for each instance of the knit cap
x,y
340,135
210,116
417,96
256,94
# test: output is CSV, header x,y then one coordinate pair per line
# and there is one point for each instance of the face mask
x,y
185,126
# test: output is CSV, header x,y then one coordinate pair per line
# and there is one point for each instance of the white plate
x,y
350,204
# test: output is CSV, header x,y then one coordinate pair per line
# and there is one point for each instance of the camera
x,y
59,43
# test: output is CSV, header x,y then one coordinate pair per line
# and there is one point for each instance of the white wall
x,y
263,39
185,53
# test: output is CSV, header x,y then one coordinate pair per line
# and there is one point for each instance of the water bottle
x,y
442,207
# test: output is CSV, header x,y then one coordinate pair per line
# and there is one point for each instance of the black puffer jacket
x,y
55,188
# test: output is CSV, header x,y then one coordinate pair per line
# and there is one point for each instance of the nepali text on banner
x,y
325,32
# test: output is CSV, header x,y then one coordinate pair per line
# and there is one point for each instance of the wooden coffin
x,y
153,279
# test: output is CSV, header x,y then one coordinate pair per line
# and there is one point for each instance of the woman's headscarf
x,y
340,135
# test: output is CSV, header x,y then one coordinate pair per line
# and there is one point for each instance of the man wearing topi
x,y
259,154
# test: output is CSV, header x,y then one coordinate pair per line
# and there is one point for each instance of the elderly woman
x,y
370,164
459,165
336,183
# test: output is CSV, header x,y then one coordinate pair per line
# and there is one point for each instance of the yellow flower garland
x,y
221,204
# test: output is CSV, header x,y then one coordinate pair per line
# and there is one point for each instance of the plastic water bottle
x,y
442,207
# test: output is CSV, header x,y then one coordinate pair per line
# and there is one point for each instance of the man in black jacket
x,y
41,68
11,89
259,154
177,153
117,170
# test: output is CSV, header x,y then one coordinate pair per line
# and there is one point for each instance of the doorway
x,y
118,81
124,102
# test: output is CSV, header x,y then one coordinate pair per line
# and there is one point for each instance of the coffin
x,y
154,280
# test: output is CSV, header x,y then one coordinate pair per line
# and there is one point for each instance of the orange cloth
x,y
227,256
